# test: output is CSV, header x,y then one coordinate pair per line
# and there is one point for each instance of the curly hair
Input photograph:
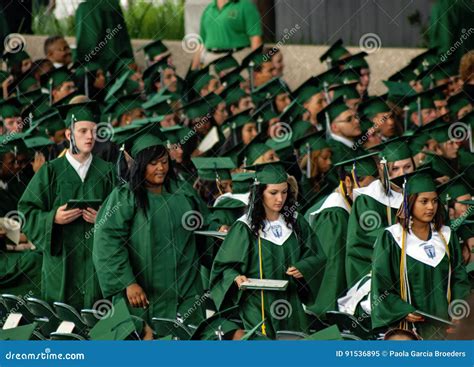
x,y
256,210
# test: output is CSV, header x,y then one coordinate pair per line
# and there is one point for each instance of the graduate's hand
x,y
224,228
413,317
295,273
89,215
64,216
137,296
239,279
38,161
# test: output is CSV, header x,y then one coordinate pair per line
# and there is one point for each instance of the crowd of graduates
x,y
165,195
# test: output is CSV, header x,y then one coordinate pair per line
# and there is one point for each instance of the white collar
x,y
3,185
57,65
244,198
348,143
334,200
80,168
429,252
276,232
349,302
376,192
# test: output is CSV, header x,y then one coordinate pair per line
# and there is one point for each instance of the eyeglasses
x,y
349,120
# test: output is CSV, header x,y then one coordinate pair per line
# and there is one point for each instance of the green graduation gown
x,y
239,255
20,273
342,152
156,251
329,222
68,273
427,269
367,219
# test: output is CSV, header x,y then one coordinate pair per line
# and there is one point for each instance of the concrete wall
x,y
301,61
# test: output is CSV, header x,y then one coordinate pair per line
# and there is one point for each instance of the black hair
x,y
138,170
256,211
49,41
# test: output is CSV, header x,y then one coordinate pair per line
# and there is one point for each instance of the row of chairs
x,y
64,322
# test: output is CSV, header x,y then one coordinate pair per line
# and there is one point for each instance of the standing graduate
x,y
417,264
143,250
329,220
65,235
270,241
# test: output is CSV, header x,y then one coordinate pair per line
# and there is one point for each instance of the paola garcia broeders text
x,y
401,353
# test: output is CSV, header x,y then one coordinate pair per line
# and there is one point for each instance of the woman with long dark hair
x,y
417,272
270,241
144,248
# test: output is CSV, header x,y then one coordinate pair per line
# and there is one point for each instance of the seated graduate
x,y
271,241
417,265
143,250
63,234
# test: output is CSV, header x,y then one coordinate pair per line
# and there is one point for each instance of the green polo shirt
x,y
230,27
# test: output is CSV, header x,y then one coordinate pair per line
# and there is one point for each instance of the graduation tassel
x,y
119,160
264,331
328,126
354,175
234,134
259,125
86,83
385,176
402,269
418,107
344,194
74,148
50,90
251,66
326,92
308,161
405,117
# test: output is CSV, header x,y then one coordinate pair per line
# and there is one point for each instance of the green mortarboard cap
x,y
349,75
149,135
10,108
373,106
238,120
329,333
84,68
269,90
31,96
456,103
36,140
218,326
13,143
332,110
18,333
174,134
49,123
224,63
153,49
441,133
241,182
292,112
256,57
116,326
307,89
424,99
210,169
395,150
122,86
417,182
144,141
65,100
355,61
122,133
201,79
252,151
300,128
347,91
399,90
365,124
37,108
202,106
56,77
406,74
364,165
232,93
313,141
283,145
454,188
161,103
439,165
426,59
269,173
87,111
124,104
329,77
233,76
27,83
232,151
152,72
417,141
265,112
335,52
15,58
